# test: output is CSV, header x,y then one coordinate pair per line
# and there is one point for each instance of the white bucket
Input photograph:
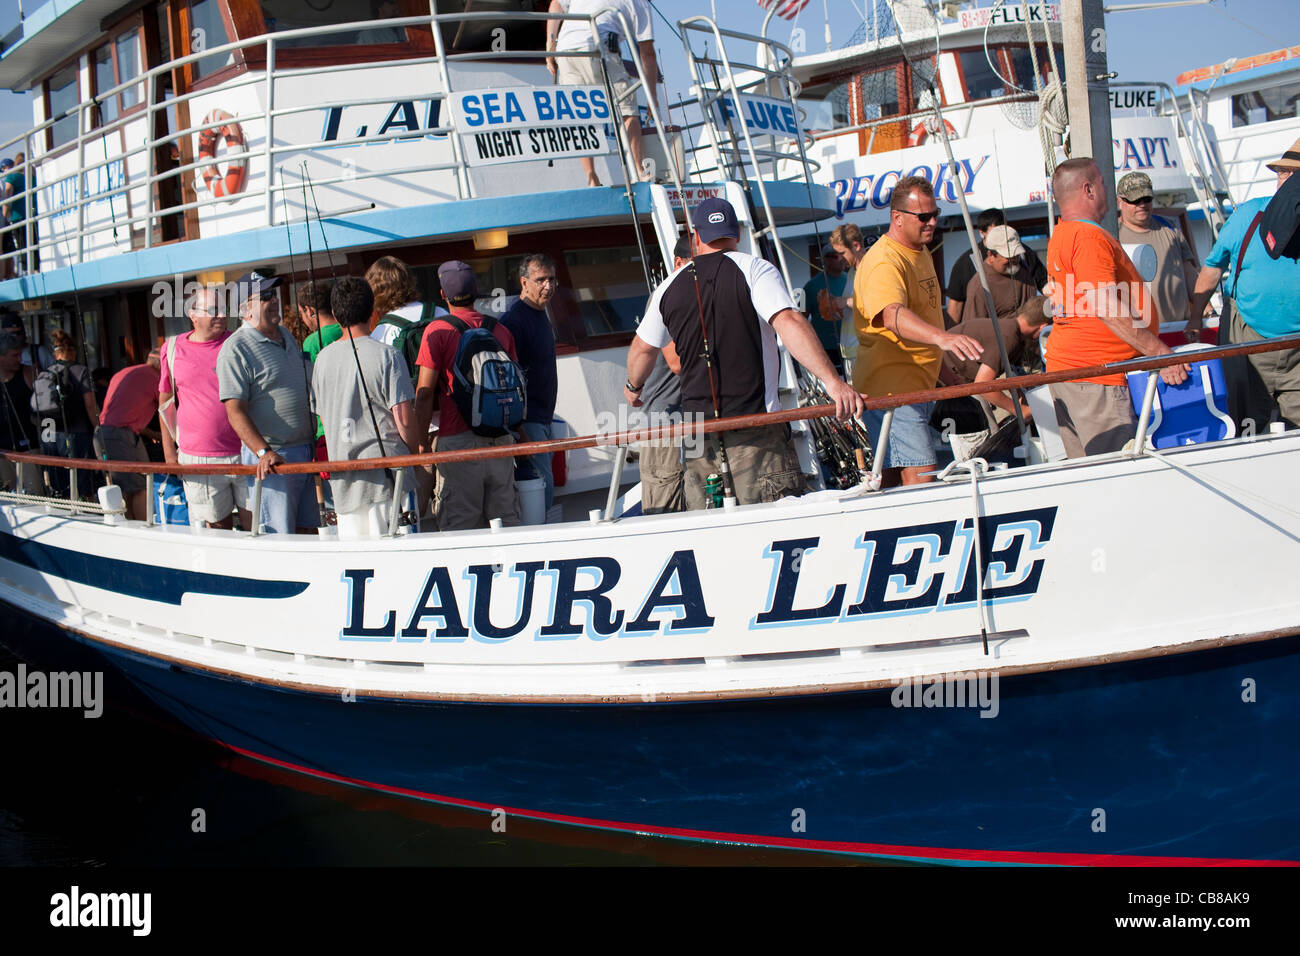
x,y
532,500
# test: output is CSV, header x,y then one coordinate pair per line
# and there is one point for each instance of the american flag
x,y
785,9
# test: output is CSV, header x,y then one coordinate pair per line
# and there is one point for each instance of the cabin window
x,y
115,63
879,94
981,81
610,286
281,15
1022,66
1265,106
827,107
63,95
208,29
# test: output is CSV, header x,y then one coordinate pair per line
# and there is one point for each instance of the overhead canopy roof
x,y
47,36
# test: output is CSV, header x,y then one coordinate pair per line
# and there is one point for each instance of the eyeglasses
x,y
923,216
1140,201
542,280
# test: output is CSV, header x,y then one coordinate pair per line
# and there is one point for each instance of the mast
x,y
1087,89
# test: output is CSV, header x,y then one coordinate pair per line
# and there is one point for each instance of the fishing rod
x,y
356,358
706,353
296,303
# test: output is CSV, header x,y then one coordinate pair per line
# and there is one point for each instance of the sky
x,y
1146,45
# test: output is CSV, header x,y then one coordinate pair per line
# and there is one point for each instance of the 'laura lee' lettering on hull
x,y
910,570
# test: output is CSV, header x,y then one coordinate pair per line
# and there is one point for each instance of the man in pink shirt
x,y
469,494
202,434
129,407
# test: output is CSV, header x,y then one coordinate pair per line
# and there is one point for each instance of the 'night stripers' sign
x,y
909,570
526,122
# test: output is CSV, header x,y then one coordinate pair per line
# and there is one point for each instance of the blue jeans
x,y
288,501
536,431
911,442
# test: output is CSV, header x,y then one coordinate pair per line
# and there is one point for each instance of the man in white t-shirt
x,y
743,304
571,35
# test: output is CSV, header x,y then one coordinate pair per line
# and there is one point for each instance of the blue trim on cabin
x,y
147,581
381,227
42,17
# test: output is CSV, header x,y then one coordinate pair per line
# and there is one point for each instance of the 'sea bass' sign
x,y
909,570
526,122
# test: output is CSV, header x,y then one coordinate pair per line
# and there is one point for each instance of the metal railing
x,y
693,430
91,133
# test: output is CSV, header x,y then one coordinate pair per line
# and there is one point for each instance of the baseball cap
x,y
1134,186
255,285
6,163
457,279
715,219
1288,160
1005,241
828,250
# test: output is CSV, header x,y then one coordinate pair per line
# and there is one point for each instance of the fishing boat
x,y
989,668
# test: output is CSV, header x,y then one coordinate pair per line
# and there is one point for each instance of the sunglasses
x,y
1140,201
923,216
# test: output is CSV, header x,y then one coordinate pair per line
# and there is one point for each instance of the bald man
x,y
1102,313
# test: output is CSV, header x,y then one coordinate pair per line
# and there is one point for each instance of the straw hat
x,y
1290,160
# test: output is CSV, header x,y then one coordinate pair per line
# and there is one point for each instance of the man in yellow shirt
x,y
901,337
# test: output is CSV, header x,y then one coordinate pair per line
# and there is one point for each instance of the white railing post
x,y
149,209
878,454
1144,420
270,131
255,509
464,190
150,499
80,191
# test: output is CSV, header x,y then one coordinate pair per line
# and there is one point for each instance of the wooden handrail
x,y
694,429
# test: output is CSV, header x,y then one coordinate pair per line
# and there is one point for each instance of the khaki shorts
x,y
469,494
764,465
1267,380
661,478
1094,419
582,71
113,443
213,497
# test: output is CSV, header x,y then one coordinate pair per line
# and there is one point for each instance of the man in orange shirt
x,y
1102,313
900,327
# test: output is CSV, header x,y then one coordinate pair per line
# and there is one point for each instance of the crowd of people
x,y
375,362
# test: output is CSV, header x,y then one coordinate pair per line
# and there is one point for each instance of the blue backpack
x,y
486,384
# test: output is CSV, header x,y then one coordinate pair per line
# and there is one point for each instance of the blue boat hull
x,y
1162,760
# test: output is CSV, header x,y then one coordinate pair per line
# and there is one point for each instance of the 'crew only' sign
x,y
526,122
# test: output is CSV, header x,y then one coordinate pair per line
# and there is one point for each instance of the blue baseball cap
x,y
715,219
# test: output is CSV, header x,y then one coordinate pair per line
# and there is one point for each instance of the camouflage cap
x,y
1134,186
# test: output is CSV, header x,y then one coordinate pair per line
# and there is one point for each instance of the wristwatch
x,y
261,452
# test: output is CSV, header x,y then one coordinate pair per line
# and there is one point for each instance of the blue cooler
x,y
1190,413
170,506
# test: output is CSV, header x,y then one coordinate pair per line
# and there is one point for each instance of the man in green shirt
x,y
314,307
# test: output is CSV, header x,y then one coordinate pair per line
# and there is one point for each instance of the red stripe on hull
x,y
908,853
